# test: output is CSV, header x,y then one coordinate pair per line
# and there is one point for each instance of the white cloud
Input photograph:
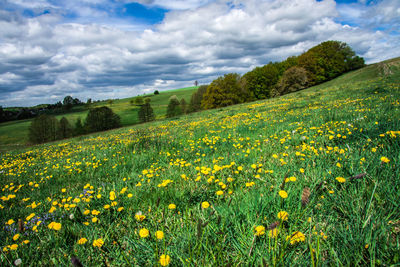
x,y
46,57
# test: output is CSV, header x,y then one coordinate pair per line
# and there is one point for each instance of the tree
x,y
196,83
101,119
79,129
65,129
131,102
110,102
68,102
261,80
146,112
195,100
184,106
329,60
174,107
139,100
225,91
43,128
292,80
156,92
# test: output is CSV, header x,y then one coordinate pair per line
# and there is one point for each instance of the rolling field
x,y
14,134
310,178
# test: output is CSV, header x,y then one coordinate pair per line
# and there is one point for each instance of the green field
x,y
306,179
14,134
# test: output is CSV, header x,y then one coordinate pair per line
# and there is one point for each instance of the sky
x,y
108,49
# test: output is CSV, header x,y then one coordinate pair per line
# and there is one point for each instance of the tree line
x,y
317,65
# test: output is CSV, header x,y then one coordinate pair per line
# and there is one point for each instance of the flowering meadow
x,y
311,178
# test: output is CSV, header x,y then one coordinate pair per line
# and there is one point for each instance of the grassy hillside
x,y
310,178
15,133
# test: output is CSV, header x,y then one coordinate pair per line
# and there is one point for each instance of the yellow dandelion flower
x,y
385,159
283,194
143,233
171,206
98,243
283,215
340,179
259,230
165,260
159,235
205,205
82,241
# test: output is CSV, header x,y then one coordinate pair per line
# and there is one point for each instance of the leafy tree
x,y
329,60
79,129
110,102
261,80
196,83
156,92
196,98
68,102
184,106
292,80
139,100
225,91
174,107
43,128
146,112
65,129
101,119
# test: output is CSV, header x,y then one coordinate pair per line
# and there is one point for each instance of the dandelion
x,y
219,193
385,160
205,205
171,206
340,179
283,194
106,207
165,260
159,235
283,215
98,243
143,233
112,195
259,230
120,209
296,237
10,221
55,226
94,219
273,233
82,241
140,217
14,246
15,237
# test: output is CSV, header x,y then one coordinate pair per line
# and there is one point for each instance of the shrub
x,y
43,128
101,119
174,107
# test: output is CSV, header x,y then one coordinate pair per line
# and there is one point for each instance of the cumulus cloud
x,y
46,56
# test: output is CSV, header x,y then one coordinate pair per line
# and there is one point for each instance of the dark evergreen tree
x,y
79,129
146,112
65,129
184,106
195,100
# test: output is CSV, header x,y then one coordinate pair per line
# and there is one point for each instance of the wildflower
x,y
130,195
159,235
14,246
82,241
94,219
106,207
112,195
340,179
296,237
165,260
259,230
385,159
143,233
15,237
273,233
25,242
283,194
205,205
140,217
63,190
120,209
171,206
98,243
55,226
30,216
283,215
17,262
10,221
219,193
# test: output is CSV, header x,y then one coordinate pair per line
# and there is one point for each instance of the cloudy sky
x,y
104,49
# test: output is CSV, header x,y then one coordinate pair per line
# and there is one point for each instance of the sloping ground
x,y
307,178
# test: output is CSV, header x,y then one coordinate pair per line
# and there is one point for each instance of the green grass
x,y
238,159
15,133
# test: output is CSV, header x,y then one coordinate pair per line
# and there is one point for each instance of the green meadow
x,y
305,179
14,134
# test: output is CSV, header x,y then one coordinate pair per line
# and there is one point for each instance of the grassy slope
x,y
15,133
339,129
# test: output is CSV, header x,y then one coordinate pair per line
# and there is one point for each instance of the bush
x,y
44,128
101,119
292,80
156,92
174,107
